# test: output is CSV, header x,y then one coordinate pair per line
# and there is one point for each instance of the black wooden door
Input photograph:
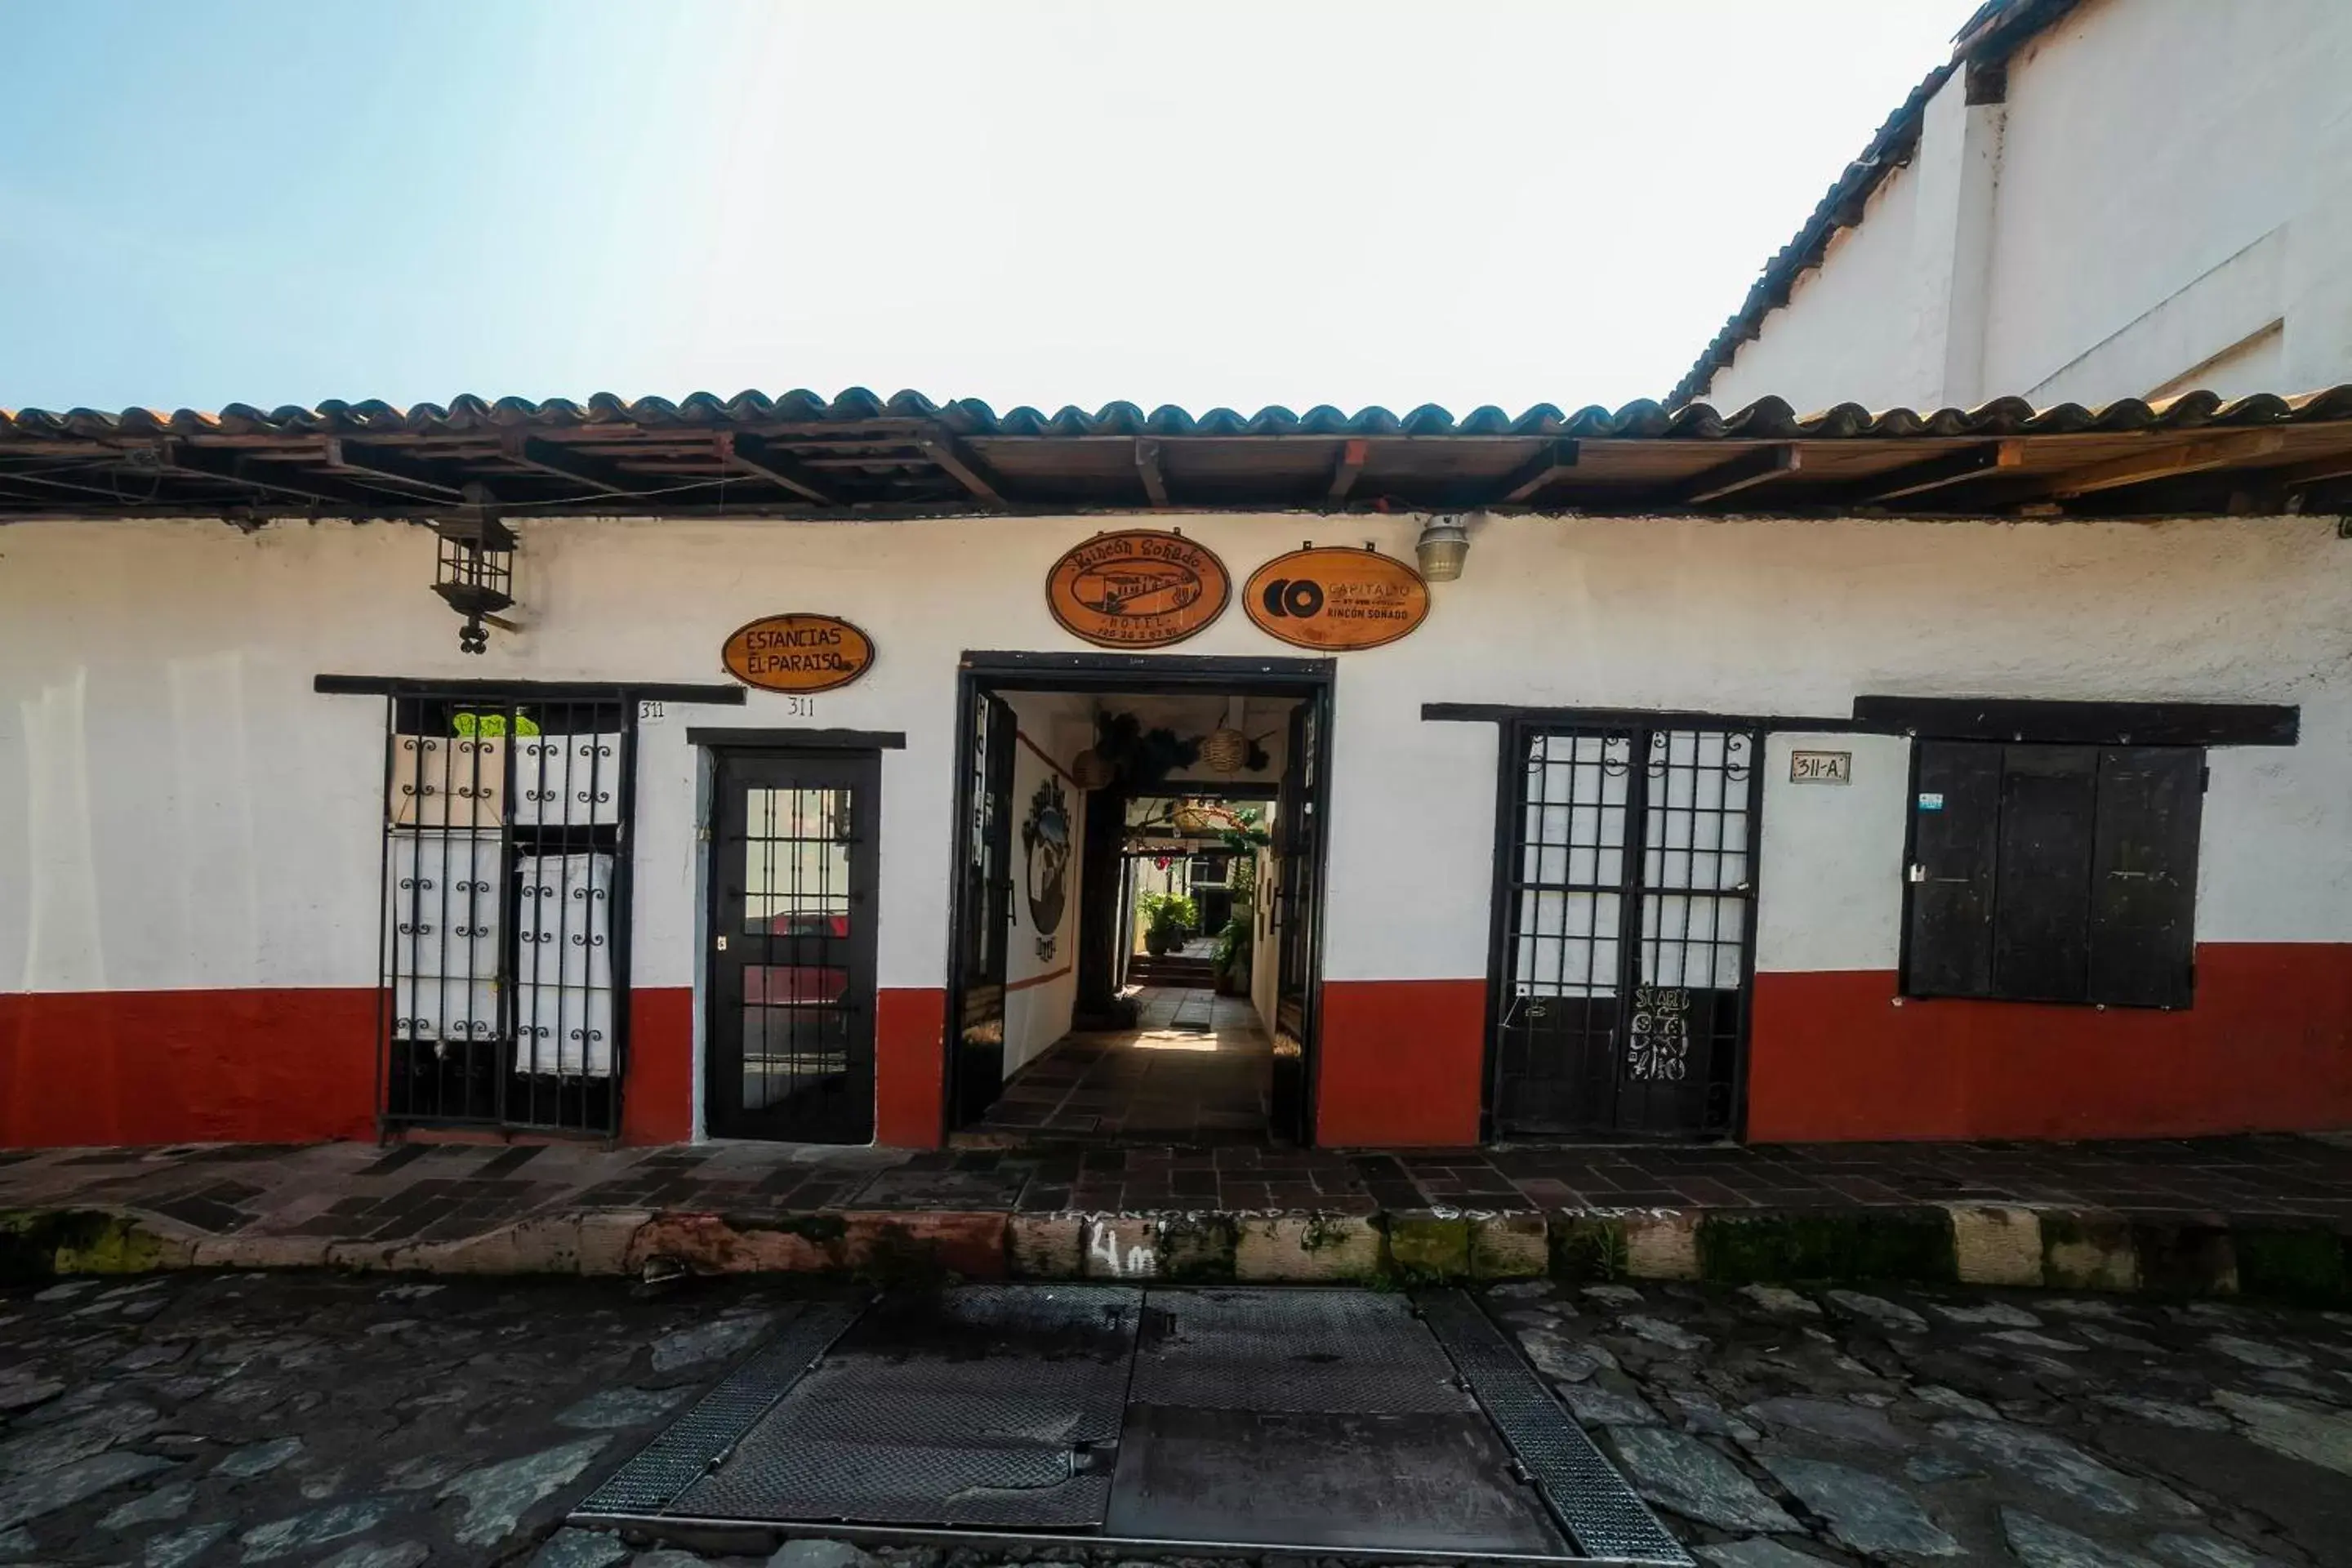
x,y
1625,922
985,907
792,947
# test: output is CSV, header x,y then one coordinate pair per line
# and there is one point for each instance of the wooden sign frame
x,y
1337,598
799,653
1138,588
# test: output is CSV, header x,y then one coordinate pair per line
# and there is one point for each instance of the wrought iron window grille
x,y
505,934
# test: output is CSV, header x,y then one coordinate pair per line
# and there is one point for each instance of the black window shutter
x,y
2144,881
2041,931
1955,815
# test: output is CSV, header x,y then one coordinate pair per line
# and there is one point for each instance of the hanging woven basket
x,y
1091,768
1224,750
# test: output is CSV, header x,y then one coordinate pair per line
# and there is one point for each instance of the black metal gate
x,y
1625,928
792,947
506,876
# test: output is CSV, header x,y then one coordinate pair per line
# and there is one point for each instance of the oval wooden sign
x,y
1139,588
797,653
1337,598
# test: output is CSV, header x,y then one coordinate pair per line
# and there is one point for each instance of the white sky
x,y
1201,202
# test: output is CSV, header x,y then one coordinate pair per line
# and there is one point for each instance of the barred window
x,y
506,874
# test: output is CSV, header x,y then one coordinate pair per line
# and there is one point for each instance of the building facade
x,y
2092,201
1663,822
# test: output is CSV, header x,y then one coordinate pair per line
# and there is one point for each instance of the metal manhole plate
x,y
1276,1349
1295,1420
989,1405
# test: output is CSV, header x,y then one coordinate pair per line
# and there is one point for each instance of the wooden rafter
x,y
580,468
1347,470
1532,477
1745,471
51,481
2166,461
1934,473
378,462
755,455
256,473
961,464
1147,468
2312,471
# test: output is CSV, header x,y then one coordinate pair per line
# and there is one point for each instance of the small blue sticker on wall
x,y
1930,801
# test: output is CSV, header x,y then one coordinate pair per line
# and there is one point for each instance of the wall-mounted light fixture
x,y
475,570
1443,547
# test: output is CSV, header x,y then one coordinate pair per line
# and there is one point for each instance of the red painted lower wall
x,y
2266,1047
910,1067
658,1091
186,1067
1401,1063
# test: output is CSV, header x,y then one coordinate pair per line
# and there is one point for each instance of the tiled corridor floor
x,y
1198,1071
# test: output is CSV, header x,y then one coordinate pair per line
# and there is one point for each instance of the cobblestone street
x,y
205,1419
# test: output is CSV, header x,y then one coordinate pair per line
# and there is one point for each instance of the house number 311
x,y
800,707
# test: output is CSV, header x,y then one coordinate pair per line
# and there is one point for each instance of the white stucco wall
x,y
2172,179
1038,1013
184,811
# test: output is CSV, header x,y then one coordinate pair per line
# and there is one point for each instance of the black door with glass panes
x,y
791,976
1624,927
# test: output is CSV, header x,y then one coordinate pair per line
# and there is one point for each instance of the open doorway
x,y
1137,931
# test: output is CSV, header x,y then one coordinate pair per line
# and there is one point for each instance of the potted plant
x,y
1168,920
1233,955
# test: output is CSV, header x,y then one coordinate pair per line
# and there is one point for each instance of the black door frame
x,y
726,748
1141,675
1513,730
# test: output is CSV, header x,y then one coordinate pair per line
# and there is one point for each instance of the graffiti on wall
x,y
1046,851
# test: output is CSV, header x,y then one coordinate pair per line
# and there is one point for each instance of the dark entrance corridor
x,y
1197,1069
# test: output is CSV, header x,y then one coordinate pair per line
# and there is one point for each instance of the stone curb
x,y
2295,1261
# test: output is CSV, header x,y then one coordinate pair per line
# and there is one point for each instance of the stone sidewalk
x,y
2264,1215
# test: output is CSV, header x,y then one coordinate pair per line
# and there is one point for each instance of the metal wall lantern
x,y
1443,545
474,572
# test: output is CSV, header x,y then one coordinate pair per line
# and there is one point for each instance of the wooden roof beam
x,y
757,456
961,464
1147,468
380,463
1934,473
1347,470
1532,477
1745,471
75,487
2312,471
2166,461
580,468
242,468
